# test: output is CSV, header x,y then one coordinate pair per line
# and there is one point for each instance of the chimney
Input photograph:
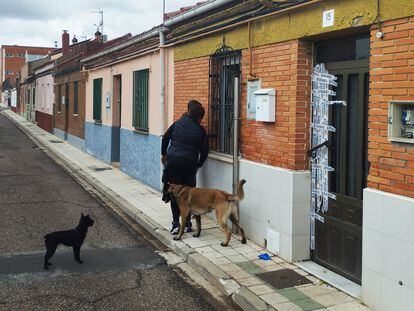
x,y
74,40
98,36
65,42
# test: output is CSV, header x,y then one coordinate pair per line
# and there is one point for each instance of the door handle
x,y
310,152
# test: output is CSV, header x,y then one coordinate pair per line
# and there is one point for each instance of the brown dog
x,y
197,201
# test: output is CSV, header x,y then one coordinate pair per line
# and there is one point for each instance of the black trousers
x,y
180,171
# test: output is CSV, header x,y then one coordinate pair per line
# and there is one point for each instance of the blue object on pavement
x,y
264,256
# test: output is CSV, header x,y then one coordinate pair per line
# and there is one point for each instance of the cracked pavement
x,y
121,270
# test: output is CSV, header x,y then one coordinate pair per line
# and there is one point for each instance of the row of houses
x,y
114,101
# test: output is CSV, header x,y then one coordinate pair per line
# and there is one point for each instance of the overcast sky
x,y
40,22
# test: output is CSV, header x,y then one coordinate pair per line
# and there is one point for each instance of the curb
x,y
242,296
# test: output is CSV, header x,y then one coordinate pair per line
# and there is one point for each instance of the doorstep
x,y
343,284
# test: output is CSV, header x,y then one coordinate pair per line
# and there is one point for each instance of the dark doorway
x,y
66,110
116,118
338,244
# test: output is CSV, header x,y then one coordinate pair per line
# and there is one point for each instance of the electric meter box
x,y
265,100
401,121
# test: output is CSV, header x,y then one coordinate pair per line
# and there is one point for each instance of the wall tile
x,y
371,288
372,209
372,250
140,157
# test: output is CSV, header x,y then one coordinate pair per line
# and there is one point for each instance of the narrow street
x,y
121,271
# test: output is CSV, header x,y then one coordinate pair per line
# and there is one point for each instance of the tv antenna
x,y
99,27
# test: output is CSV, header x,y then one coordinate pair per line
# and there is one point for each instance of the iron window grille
x,y
225,66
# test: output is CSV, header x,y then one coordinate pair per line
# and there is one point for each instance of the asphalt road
x,y
121,270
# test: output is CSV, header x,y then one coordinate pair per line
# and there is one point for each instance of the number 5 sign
x,y
328,18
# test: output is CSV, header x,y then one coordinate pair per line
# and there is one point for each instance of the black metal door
x,y
338,244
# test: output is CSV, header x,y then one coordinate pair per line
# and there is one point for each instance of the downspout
x,y
236,118
162,81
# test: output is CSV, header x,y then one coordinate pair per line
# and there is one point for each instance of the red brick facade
x,y
76,122
391,78
191,81
286,67
283,66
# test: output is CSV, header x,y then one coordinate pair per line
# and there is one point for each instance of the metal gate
x,y
224,68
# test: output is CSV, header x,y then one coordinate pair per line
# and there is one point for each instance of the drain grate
x,y
99,169
284,278
54,141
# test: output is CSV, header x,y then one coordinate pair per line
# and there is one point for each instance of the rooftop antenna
x,y
99,27
163,10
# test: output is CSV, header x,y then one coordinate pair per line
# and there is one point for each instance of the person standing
x,y
184,150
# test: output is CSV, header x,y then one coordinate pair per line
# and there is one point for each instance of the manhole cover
x,y
283,278
53,141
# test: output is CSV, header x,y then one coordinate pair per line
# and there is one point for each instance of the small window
x,y
342,49
67,95
140,101
9,55
8,72
34,98
21,55
97,100
59,98
75,97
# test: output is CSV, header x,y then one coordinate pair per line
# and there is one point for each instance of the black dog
x,y
72,238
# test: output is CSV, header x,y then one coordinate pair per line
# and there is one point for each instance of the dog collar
x,y
179,193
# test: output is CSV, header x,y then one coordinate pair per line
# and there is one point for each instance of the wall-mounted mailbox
x,y
401,121
265,105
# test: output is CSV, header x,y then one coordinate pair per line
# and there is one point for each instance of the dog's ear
x,y
82,214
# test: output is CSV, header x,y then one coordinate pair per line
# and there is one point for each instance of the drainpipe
x,y
236,142
162,81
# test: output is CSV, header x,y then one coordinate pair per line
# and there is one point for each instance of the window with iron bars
x,y
224,68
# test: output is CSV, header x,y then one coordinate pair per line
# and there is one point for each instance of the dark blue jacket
x,y
186,138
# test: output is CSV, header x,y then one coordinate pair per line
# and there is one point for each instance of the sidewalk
x,y
231,269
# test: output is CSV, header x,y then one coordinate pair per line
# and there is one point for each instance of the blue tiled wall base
x,y
98,139
59,133
77,142
140,157
73,140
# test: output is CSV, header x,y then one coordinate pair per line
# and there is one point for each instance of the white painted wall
x,y
388,251
126,69
44,91
13,96
275,198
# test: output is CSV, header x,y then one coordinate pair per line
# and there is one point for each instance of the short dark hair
x,y
195,109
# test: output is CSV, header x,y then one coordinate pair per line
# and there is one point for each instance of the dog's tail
x,y
46,237
240,192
